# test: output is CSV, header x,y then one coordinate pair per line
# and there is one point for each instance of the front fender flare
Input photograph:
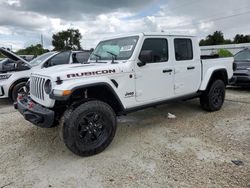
x,y
107,85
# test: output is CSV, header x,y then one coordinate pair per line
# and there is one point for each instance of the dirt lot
x,y
194,150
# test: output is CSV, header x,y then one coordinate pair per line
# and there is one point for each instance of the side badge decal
x,y
129,94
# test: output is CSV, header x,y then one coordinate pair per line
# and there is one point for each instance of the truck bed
x,y
209,65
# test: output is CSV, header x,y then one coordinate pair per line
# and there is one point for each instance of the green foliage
x,y
67,40
224,53
32,50
239,38
228,41
217,38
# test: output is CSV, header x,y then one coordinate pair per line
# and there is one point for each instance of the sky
x,y
22,22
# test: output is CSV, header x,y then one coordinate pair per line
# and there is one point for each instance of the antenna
x,y
42,40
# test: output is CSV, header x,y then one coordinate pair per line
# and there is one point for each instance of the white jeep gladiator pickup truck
x,y
123,74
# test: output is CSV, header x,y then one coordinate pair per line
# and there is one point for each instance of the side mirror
x,y
141,64
146,56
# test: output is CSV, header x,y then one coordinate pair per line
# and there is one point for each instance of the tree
x,y
203,42
216,38
67,40
32,50
228,41
239,38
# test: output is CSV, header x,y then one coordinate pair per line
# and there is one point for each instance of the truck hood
x,y
10,55
74,71
12,62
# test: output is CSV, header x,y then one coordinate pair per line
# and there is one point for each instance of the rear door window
x,y
183,49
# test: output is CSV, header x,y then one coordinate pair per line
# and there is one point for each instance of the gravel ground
x,y
149,150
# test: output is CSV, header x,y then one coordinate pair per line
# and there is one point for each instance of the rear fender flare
x,y
209,76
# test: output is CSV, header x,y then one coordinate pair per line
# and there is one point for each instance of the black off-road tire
x,y
89,129
16,89
213,98
65,117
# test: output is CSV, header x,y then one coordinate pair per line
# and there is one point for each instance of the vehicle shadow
x,y
131,129
5,103
238,88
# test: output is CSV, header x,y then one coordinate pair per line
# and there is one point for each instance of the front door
x,y
154,80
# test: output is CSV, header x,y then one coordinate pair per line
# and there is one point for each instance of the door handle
x,y
190,68
167,71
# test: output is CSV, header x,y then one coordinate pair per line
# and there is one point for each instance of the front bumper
x,y
35,113
240,80
3,91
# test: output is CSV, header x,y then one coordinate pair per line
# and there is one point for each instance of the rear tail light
x,y
234,66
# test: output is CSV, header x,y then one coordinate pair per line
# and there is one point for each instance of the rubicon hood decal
x,y
92,73
68,72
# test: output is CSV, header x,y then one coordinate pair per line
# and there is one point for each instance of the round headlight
x,y
48,87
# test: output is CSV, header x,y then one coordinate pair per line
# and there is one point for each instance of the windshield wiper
x,y
98,56
114,56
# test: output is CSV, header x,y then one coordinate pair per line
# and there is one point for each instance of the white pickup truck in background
x,y
123,74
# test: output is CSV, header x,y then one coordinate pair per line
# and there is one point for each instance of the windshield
x,y
40,59
119,49
243,56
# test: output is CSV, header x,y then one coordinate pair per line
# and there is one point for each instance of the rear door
x,y
154,81
187,74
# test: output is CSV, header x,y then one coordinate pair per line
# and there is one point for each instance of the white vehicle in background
x,y
28,57
15,71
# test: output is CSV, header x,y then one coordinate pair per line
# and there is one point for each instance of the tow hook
x,y
31,105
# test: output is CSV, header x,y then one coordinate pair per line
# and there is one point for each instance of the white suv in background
x,y
15,71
